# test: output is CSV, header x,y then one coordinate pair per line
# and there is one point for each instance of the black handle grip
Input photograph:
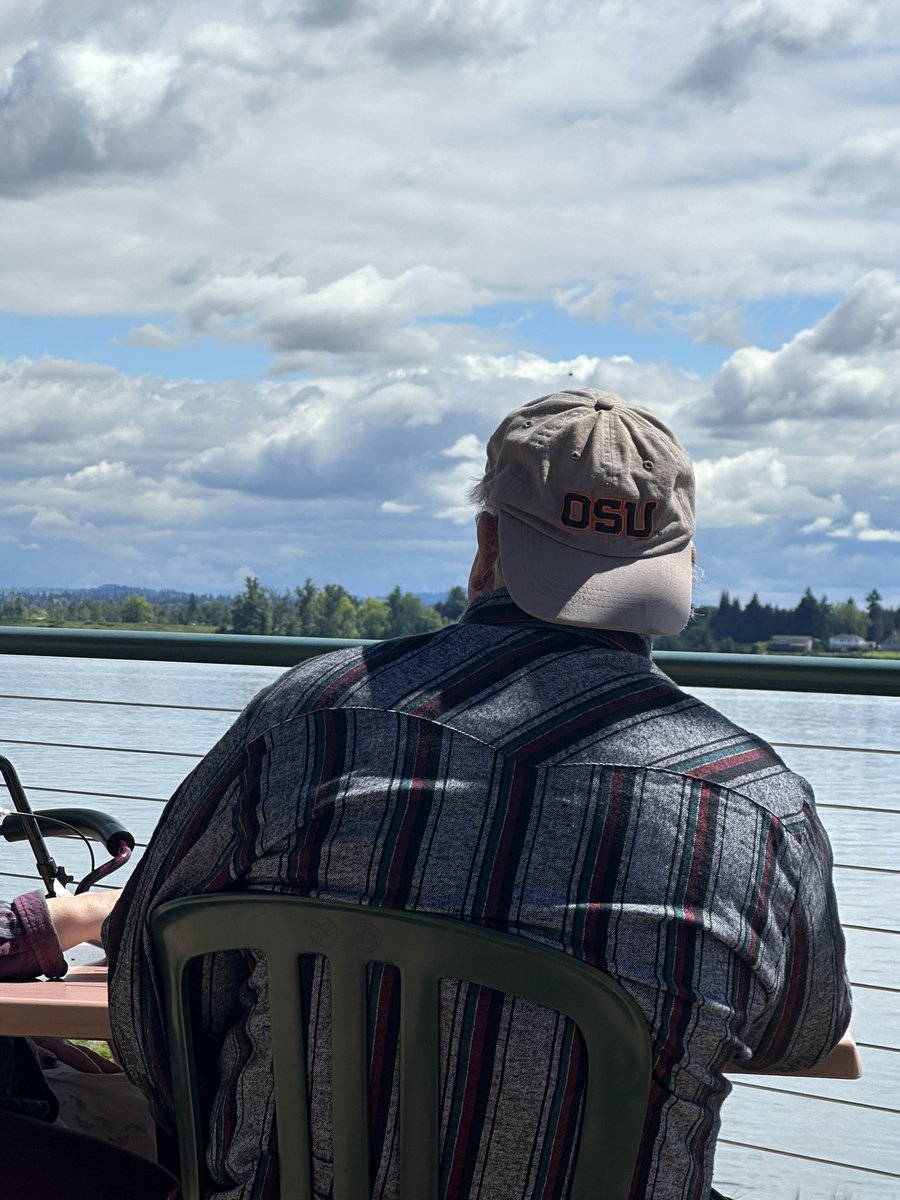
x,y
84,822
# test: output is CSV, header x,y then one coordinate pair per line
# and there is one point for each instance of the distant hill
x,y
431,598
106,591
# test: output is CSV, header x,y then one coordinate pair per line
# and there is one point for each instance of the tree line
x,y
307,611
730,626
332,612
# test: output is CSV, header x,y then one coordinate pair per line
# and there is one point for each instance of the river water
x,y
154,747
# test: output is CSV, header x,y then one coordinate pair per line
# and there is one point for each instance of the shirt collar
x,y
499,608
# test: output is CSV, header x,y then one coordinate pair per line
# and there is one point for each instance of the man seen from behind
x,y
531,770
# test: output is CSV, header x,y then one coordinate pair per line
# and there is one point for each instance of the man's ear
x,y
481,577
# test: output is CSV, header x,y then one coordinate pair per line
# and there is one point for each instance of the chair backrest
x,y
425,949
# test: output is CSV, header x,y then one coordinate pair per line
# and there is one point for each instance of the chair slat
x,y
184,1081
419,1083
349,1078
289,1069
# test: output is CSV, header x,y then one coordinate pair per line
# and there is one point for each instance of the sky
x,y
272,270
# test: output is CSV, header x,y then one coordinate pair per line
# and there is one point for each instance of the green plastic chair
x,y
425,949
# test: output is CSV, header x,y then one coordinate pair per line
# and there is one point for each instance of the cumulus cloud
x,y
591,304
327,13
175,480
76,110
758,486
156,337
538,155
860,528
54,521
363,313
422,33
219,44
49,403
394,506
290,476
801,446
863,167
99,475
848,363
746,31
866,321
819,525
119,24
468,447
330,440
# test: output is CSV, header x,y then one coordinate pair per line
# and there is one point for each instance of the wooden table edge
x,y
74,1007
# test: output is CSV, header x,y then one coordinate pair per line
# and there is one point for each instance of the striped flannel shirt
x,y
539,779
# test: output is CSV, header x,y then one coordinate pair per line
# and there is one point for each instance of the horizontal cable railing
x,y
100,749
784,1091
124,703
843,749
750,672
826,1162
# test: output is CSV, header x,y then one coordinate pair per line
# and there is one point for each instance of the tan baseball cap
x,y
596,513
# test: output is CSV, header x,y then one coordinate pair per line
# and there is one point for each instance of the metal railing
x,y
770,672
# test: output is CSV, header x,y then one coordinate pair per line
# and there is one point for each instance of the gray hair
x,y
479,495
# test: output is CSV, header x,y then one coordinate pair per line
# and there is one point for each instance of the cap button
x,y
604,403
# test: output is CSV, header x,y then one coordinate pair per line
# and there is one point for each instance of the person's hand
x,y
82,1058
80,918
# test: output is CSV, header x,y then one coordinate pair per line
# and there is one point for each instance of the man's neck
x,y
499,608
